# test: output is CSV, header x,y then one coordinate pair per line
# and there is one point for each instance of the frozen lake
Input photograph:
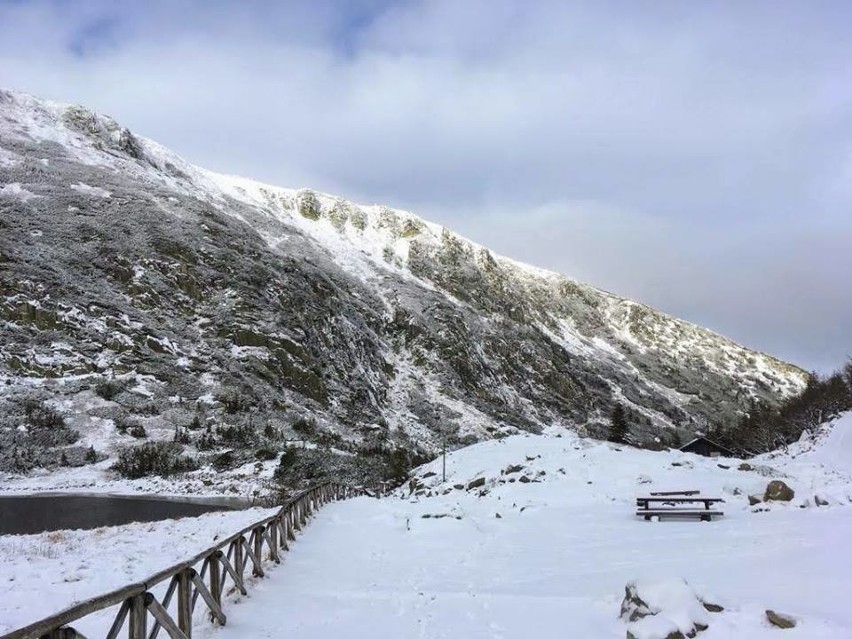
x,y
28,514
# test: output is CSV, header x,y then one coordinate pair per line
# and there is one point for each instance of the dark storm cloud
x,y
695,156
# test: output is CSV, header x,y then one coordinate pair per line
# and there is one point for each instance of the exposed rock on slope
x,y
219,300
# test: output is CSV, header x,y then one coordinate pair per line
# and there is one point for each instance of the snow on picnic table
x,y
556,561
48,572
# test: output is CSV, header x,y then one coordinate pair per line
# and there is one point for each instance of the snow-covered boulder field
x,y
536,536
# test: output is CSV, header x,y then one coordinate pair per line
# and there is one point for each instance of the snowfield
x,y
548,557
45,573
556,561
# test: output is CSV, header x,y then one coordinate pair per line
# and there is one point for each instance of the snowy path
x,y
552,572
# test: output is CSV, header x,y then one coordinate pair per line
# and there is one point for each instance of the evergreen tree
x,y
618,426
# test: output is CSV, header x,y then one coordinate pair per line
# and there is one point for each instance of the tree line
x,y
763,427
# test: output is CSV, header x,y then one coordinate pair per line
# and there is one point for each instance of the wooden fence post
x,y
282,525
216,578
138,618
239,559
184,602
257,534
271,534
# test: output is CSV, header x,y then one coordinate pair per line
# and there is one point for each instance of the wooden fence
x,y
205,576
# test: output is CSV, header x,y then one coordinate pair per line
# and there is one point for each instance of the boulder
x,y
780,620
524,479
513,468
819,501
754,500
655,628
777,490
476,483
744,466
429,474
413,485
632,606
663,609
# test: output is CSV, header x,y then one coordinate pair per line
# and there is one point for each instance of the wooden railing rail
x,y
204,576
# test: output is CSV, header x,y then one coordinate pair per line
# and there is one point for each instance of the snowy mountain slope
x,y
829,448
118,257
545,558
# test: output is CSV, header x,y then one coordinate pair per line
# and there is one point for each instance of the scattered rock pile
x,y
665,609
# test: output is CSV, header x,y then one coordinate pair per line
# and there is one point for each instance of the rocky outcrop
x,y
777,490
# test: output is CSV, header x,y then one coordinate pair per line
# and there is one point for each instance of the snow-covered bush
x,y
153,458
108,389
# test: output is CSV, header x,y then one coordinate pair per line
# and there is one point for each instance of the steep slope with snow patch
x,y
118,258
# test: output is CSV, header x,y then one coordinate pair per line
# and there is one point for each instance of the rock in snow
x,y
777,490
662,608
476,483
780,620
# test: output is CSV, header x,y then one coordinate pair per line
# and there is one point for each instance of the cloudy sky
x,y
694,156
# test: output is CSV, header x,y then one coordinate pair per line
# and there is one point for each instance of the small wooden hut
x,y
707,448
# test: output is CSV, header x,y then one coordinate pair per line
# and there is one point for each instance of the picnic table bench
x,y
668,504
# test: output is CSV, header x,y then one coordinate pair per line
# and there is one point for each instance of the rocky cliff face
x,y
217,303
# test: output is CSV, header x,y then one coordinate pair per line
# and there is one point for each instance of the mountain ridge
x,y
365,318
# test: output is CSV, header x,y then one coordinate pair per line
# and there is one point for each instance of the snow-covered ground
x,y
548,557
247,482
557,559
42,574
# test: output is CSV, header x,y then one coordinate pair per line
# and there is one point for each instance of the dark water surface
x,y
27,514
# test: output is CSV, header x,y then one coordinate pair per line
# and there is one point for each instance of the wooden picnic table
x,y
672,500
677,492
645,502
